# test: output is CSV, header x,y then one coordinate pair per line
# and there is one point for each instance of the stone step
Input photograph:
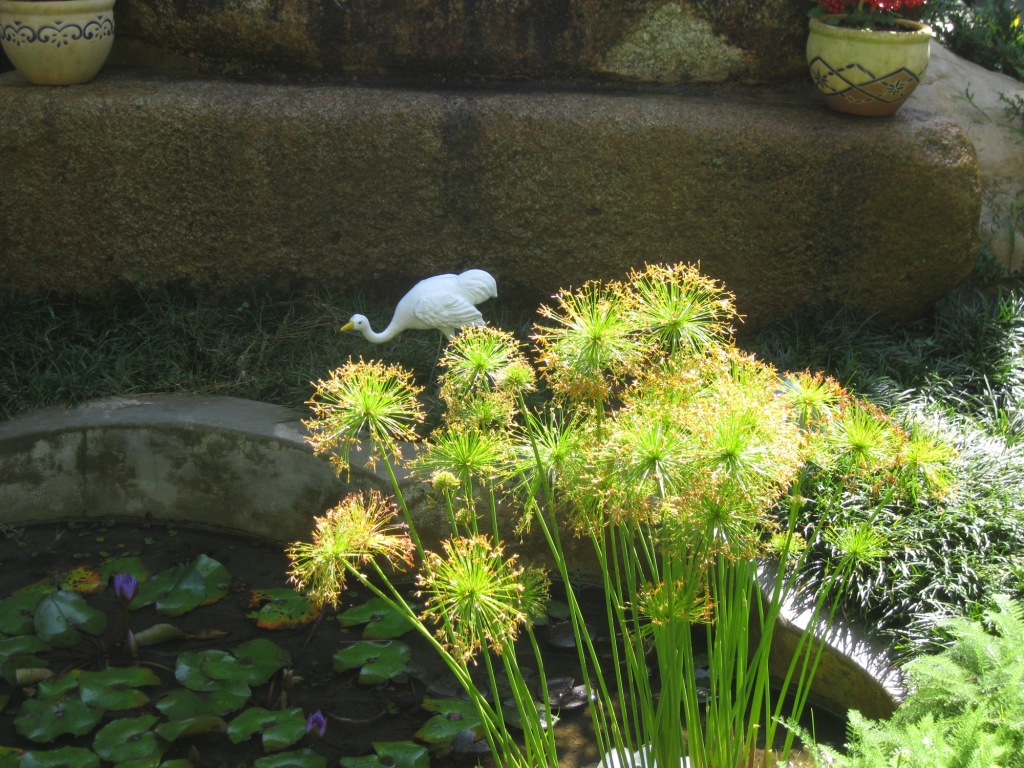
x,y
226,186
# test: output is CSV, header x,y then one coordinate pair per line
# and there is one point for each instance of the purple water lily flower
x,y
317,724
126,586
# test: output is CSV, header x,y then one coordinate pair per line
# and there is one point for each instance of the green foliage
x,y
666,448
964,707
955,387
987,32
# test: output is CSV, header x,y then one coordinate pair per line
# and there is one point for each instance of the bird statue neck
x,y
387,334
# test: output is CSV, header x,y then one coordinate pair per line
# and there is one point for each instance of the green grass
x,y
62,351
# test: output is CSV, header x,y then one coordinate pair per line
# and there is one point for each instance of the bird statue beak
x,y
348,326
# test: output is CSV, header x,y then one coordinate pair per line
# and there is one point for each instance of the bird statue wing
x,y
447,311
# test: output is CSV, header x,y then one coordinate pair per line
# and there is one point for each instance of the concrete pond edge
x,y
243,466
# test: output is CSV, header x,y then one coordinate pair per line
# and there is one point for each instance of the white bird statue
x,y
444,302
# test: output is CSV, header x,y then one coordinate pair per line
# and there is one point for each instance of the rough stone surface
x,y
228,186
597,40
978,101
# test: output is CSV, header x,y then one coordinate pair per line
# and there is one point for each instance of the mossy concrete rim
x,y
245,467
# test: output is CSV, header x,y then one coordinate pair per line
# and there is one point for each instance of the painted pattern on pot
x,y
62,42
867,72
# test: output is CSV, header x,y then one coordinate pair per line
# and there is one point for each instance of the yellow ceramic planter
x,y
867,72
57,42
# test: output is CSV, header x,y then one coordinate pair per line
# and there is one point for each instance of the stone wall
x,y
224,186
655,41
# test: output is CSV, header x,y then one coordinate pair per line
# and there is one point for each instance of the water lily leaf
x,y
10,757
262,658
145,762
130,738
206,670
281,608
280,728
158,633
180,589
302,758
17,653
65,757
391,754
44,719
377,662
191,726
453,716
132,564
59,687
115,688
60,615
17,612
182,704
382,621
84,581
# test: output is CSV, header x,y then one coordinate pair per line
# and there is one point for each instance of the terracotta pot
x,y
867,72
57,42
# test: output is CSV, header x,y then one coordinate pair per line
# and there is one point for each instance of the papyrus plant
x,y
680,459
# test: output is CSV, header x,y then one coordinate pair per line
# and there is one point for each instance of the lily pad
x,y
377,662
183,703
18,652
279,728
453,716
302,758
43,720
382,621
65,757
190,726
60,615
18,610
281,608
391,754
185,587
262,658
115,688
130,738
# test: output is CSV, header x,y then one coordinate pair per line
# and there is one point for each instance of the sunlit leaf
x,y
129,739
377,662
279,728
181,704
453,716
84,581
302,758
65,757
281,608
115,688
382,621
184,587
60,615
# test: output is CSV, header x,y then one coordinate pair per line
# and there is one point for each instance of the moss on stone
x,y
672,44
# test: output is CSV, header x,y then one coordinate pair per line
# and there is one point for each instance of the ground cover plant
x,y
959,376
683,461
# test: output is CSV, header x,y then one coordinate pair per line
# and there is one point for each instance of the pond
x,y
245,665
